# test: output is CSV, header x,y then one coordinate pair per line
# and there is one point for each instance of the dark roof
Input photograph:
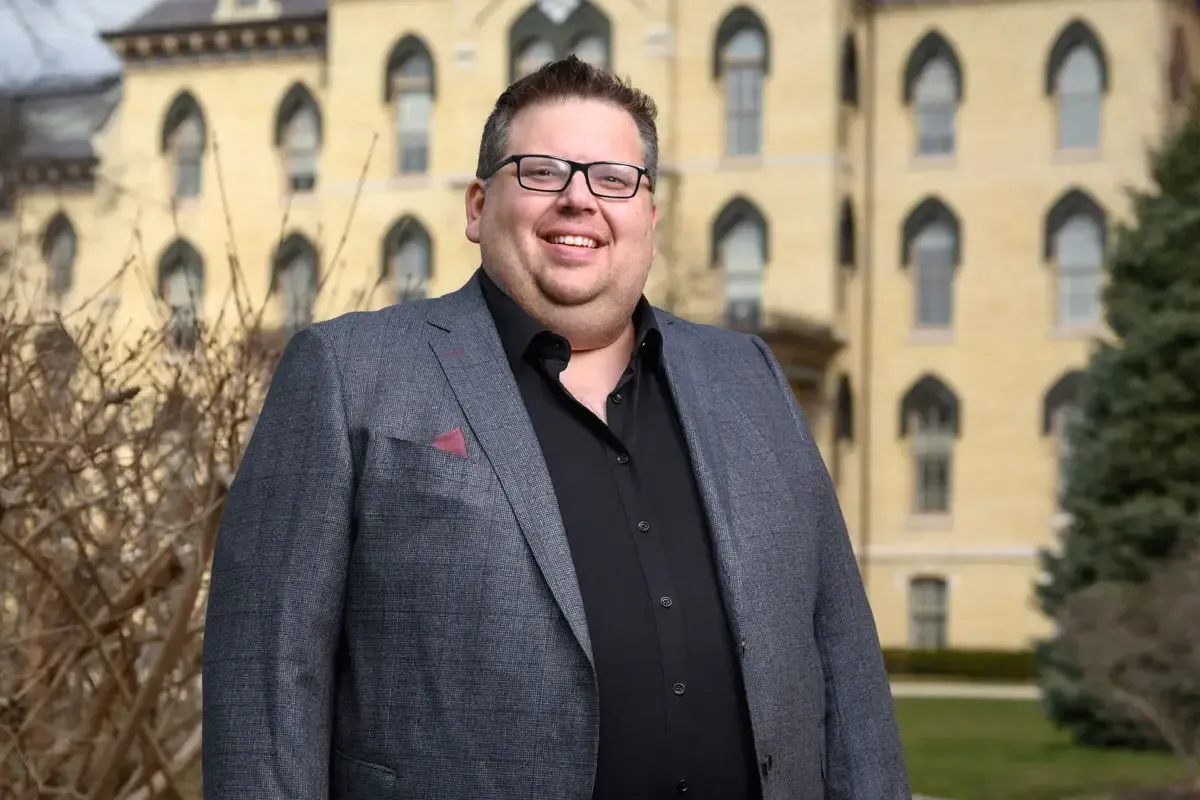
x,y
42,151
8,113
172,15
58,125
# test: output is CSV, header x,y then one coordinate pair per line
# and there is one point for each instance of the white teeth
x,y
575,241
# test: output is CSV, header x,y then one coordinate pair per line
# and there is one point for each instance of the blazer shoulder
x,y
711,338
354,330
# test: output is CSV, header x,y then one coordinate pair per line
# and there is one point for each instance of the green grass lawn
x,y
1005,750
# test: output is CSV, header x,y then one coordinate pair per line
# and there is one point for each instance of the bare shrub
x,y
115,458
1139,648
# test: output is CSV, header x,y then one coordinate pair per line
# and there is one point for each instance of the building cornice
x,y
298,35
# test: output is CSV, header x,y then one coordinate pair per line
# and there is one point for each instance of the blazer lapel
x,y
686,378
466,344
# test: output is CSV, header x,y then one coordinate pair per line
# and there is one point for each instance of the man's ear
x,y
474,198
654,226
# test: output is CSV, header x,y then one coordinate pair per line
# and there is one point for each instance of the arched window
x,y
534,54
181,286
845,410
932,244
183,140
410,88
1077,74
591,49
295,278
408,259
928,613
933,83
57,356
849,87
846,234
1075,240
740,251
741,63
549,30
929,411
298,132
1060,413
59,247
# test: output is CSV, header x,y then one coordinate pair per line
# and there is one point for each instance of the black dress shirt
x,y
673,719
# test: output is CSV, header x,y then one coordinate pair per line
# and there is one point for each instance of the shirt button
x,y
622,459
643,526
666,602
742,647
682,787
678,688
616,398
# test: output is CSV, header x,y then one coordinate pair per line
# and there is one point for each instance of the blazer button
x,y
767,764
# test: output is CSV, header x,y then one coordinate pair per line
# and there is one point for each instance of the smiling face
x,y
576,262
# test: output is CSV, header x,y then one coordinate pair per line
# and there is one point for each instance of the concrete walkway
x,y
965,691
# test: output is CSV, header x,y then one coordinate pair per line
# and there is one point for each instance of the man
x,y
536,539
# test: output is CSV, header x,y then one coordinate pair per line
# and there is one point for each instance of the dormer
x,y
235,11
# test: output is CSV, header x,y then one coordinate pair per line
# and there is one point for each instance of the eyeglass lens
x,y
552,175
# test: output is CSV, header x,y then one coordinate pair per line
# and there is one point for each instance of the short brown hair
x,y
560,80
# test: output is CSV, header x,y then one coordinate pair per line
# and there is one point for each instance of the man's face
x,y
590,281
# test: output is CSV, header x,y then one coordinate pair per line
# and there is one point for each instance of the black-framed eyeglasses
x,y
543,173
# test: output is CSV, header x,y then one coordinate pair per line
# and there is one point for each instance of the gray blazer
x,y
389,620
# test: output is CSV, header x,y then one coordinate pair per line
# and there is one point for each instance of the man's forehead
x,y
575,122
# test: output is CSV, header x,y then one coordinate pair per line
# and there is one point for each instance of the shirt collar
x,y
518,330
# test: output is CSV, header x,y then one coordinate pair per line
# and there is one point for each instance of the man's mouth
x,y
574,241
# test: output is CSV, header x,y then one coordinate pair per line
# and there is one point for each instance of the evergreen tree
x,y
1134,481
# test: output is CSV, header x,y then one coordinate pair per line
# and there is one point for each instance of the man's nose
x,y
577,194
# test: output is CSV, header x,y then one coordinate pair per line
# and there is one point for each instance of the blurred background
x,y
969,230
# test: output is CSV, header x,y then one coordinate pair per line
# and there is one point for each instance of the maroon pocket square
x,y
451,441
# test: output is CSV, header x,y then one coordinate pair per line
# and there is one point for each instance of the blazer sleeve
x,y
276,592
864,760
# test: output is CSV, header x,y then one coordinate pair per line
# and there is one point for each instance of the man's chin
x,y
570,290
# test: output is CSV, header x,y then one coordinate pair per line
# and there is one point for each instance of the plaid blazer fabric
x,y
394,613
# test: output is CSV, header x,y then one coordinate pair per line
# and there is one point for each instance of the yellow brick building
x,y
908,199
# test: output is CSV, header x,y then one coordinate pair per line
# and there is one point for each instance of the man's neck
x,y
592,374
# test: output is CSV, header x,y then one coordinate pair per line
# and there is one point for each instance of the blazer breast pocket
x,y
448,451
412,483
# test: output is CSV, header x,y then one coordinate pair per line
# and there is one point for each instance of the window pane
x,y
743,110
741,252
933,251
187,148
928,613
61,262
1080,246
935,99
411,269
935,129
296,285
1078,121
1079,99
416,66
1064,418
746,44
933,448
303,141
183,291
187,177
533,56
413,110
591,49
